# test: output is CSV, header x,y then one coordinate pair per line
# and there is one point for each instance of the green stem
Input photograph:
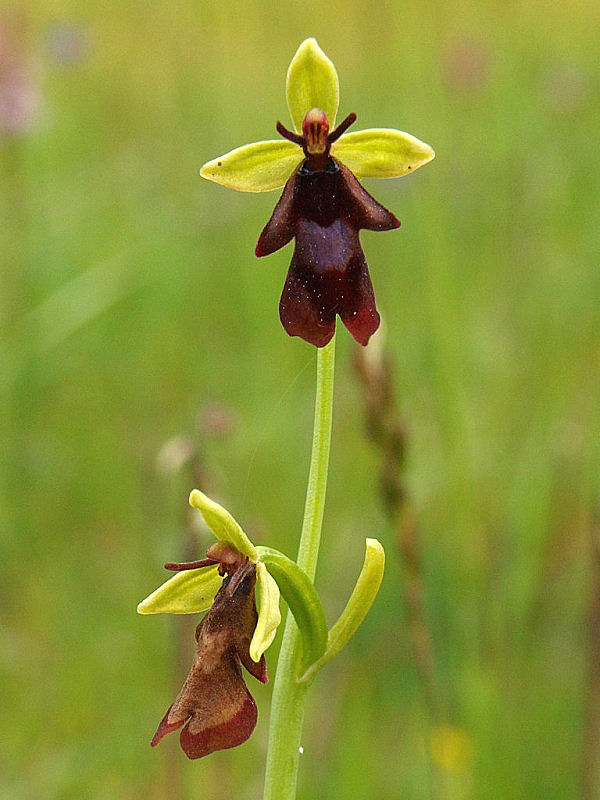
x,y
287,711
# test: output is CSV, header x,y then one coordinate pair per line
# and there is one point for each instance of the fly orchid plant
x,y
323,206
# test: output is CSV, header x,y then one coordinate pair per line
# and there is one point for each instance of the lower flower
x,y
214,708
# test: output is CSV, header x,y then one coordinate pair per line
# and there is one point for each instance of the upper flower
x,y
323,206
312,83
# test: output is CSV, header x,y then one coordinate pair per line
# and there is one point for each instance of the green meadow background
x,y
137,327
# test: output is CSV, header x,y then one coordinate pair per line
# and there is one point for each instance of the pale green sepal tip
x,y
303,601
188,592
269,615
381,153
357,607
312,82
222,524
256,167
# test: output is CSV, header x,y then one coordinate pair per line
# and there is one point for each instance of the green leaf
x,y
269,615
222,524
303,601
358,605
312,82
257,167
381,153
188,592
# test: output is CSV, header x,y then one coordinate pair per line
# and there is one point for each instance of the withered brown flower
x,y
214,708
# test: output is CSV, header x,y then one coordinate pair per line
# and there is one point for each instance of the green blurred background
x,y
134,311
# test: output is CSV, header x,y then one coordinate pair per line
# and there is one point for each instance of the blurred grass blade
x,y
78,302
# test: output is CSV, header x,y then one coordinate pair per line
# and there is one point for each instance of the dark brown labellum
x,y
323,209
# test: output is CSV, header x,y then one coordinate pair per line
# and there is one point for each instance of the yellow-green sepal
x,y
269,615
256,167
188,592
312,82
303,601
222,524
381,153
357,607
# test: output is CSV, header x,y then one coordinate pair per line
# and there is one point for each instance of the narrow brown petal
x,y
365,211
185,565
279,230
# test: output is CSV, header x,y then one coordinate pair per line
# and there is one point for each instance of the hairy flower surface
x,y
323,205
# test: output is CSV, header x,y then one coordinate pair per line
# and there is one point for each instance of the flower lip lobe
x,y
231,733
